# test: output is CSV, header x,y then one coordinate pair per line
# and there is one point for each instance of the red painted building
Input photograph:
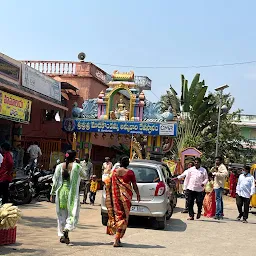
x,y
80,81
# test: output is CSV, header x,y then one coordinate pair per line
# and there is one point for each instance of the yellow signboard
x,y
14,107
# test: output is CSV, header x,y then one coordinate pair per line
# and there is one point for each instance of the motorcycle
x,y
38,183
41,181
20,191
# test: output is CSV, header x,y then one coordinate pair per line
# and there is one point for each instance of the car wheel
x,y
104,219
159,224
169,211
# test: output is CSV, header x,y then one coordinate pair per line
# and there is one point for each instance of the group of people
x,y
206,188
65,193
89,182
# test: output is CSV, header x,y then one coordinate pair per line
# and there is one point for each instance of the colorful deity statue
x,y
121,112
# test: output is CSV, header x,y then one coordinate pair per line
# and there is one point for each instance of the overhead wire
x,y
179,67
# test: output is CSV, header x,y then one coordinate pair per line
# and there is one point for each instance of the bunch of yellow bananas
x,y
9,215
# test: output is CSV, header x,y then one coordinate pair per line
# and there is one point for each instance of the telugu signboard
x,y
14,107
120,127
10,69
38,82
166,129
97,73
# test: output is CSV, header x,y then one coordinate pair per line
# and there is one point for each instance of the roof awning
x,y
68,86
32,95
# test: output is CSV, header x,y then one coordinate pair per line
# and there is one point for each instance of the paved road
x,y
205,237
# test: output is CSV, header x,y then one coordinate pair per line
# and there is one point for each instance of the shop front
x,y
29,104
14,110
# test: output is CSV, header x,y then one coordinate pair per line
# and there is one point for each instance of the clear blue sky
x,y
141,33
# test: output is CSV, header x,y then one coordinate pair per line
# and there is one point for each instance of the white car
x,y
157,191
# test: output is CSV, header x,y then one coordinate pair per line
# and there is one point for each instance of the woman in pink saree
x,y
232,184
209,203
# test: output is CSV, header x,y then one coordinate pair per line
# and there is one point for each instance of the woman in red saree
x,y
118,199
209,203
232,184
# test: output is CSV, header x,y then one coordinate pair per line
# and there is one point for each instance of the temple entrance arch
x,y
121,105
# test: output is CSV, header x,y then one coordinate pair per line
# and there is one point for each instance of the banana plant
x,y
170,99
188,136
194,100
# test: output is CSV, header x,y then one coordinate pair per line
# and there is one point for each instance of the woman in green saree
x,y
66,181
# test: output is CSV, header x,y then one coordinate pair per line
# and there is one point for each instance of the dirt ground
x,y
205,237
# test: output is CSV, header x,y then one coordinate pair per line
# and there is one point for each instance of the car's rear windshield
x,y
145,174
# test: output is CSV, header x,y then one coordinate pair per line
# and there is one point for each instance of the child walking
x,y
93,189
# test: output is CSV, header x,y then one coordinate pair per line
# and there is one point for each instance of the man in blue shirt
x,y
244,190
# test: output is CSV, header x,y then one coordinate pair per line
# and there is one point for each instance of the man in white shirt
x,y
106,168
87,167
183,175
195,181
34,152
245,190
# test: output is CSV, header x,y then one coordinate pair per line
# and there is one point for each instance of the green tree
x,y
230,138
198,112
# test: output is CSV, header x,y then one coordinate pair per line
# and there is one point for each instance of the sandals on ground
x,y
65,239
117,244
